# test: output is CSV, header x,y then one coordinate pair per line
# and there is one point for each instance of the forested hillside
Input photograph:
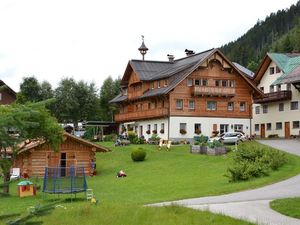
x,y
279,32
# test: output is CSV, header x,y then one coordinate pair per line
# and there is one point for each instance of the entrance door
x,y
63,163
141,131
262,131
223,128
287,133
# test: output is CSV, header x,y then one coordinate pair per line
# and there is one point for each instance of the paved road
x,y
252,205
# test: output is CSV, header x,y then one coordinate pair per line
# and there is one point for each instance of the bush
x,y
138,154
110,137
254,161
215,144
132,137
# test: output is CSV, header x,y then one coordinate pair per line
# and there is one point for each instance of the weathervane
x,y
143,49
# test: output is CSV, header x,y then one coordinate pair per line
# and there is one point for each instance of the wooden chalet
x,y
202,92
7,95
35,156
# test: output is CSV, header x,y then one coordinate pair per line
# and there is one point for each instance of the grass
x,y
163,176
289,206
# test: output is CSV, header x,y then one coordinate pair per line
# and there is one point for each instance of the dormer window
x,y
158,84
166,82
272,70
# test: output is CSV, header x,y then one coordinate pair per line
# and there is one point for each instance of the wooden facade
x,y
7,95
233,88
73,151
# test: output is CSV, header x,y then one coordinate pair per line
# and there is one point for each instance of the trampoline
x,y
64,180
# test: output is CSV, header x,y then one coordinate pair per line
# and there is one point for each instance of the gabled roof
x,y
36,143
244,70
287,62
9,89
178,70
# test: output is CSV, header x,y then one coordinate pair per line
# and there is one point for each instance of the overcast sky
x,y
92,39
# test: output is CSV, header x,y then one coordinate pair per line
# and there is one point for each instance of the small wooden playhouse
x,y
35,156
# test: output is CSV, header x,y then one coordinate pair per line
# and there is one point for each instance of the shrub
x,y
154,137
196,143
132,137
138,154
215,144
254,161
110,137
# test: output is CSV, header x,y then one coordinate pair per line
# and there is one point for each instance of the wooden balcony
x,y
274,97
145,114
213,91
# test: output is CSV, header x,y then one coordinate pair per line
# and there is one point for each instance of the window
x,y
217,83
278,87
272,70
212,105
224,128
242,106
158,84
278,126
278,69
197,128
179,104
191,104
269,126
294,105
262,89
162,103
190,82
238,127
149,127
182,128
230,106
166,83
224,83
296,125
149,105
152,85
288,87
204,82
162,126
231,83
281,107
256,127
271,88
197,82
155,127
265,109
257,109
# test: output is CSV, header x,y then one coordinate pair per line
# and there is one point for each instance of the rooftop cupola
x,y
143,49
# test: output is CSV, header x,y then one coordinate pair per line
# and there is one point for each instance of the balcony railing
x,y
274,97
145,114
213,91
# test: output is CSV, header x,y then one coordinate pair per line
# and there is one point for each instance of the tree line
x,y
279,32
74,101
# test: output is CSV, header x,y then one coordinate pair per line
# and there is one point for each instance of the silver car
x,y
232,137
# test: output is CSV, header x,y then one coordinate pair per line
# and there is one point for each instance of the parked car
x,y
229,137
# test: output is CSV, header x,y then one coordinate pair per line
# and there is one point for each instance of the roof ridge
x,y
199,53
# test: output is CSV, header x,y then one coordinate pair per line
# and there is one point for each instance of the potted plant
x,y
148,132
154,131
197,131
162,131
182,131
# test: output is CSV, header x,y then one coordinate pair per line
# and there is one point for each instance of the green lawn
x,y
163,176
289,206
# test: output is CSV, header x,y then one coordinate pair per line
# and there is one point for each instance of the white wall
x,y
206,125
274,115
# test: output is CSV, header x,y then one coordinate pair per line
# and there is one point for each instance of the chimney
x,y
189,52
171,58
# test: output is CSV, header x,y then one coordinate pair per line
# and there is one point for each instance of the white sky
x,y
92,39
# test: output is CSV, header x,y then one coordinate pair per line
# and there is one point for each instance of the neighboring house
x,y
277,113
7,95
177,99
35,156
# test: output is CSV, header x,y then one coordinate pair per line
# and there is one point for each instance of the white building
x,y
277,113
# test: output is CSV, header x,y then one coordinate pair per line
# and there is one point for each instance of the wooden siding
x,y
7,97
35,160
213,72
